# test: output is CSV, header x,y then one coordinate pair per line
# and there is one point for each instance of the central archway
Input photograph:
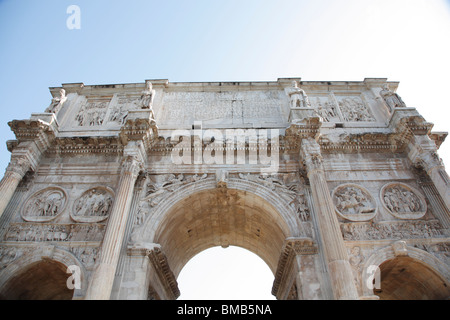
x,y
202,215
221,218
231,273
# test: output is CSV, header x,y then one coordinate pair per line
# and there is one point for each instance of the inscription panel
x,y
235,108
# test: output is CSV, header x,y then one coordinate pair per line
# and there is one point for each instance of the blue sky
x,y
227,40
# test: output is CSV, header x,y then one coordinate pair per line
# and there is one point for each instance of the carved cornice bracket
x,y
291,248
299,130
158,261
35,130
139,126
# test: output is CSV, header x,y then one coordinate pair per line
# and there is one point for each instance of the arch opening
x,y
222,217
406,278
42,280
224,274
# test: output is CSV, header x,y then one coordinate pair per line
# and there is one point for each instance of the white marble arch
x,y
39,254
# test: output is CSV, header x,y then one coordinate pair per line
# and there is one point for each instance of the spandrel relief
x,y
44,205
94,205
403,201
354,203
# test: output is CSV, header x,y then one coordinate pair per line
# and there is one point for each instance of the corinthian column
x,y
423,153
335,253
14,173
103,277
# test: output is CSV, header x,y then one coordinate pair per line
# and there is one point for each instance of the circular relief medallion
x,y
354,203
44,205
94,205
403,201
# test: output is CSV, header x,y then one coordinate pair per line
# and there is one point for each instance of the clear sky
x,y
227,40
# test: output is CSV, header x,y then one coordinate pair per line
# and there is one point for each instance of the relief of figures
x,y
354,203
290,193
156,191
354,110
418,229
403,202
38,232
92,114
93,206
44,205
327,110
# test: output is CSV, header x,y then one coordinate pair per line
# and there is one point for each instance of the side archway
x,y
41,274
406,273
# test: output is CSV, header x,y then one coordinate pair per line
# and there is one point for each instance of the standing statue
x,y
298,96
57,102
147,97
392,99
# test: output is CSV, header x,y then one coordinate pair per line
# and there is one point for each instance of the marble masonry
x,y
337,186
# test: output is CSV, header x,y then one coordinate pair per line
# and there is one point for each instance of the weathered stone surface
x,y
337,186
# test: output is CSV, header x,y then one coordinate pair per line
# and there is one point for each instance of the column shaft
x,y
335,252
15,171
103,277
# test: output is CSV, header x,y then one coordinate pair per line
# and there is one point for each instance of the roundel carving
x,y
403,201
94,205
354,203
44,205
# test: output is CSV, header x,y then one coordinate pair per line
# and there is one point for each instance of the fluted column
x,y
423,153
103,277
15,171
335,252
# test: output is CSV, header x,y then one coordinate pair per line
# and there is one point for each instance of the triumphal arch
x,y
337,186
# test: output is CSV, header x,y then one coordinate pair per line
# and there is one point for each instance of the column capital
x,y
19,165
311,155
131,165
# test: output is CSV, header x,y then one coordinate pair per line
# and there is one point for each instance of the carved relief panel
x,y
325,108
44,205
354,109
92,112
354,203
403,201
94,205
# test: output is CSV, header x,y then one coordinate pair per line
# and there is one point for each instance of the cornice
x,y
86,145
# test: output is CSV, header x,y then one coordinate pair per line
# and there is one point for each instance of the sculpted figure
x,y
298,96
147,97
57,102
392,99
